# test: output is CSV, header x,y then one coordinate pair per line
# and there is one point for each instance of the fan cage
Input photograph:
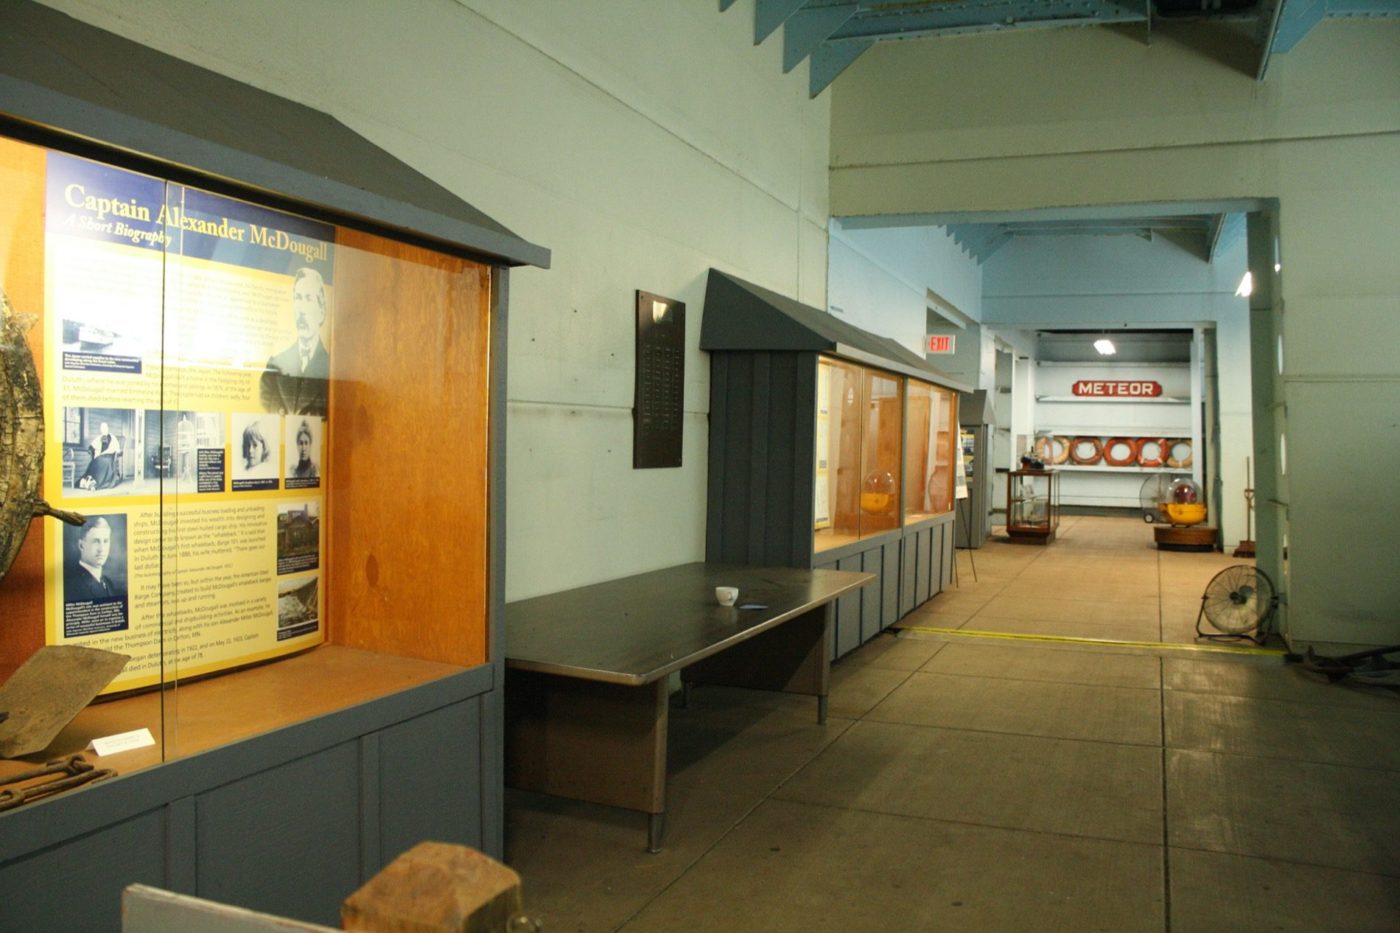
x,y
1238,601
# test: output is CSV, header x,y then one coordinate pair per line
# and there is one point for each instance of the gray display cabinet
x,y
764,350
978,419
291,820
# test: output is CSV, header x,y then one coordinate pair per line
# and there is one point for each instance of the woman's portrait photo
x,y
256,456
98,450
303,446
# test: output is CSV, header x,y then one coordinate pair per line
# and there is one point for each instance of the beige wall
x,y
642,142
1096,116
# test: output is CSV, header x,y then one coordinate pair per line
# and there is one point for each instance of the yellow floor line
x,y
1103,642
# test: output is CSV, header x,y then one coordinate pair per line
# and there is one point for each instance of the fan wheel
x,y
1237,601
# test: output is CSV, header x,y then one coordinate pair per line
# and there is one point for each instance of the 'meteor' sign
x,y
1118,388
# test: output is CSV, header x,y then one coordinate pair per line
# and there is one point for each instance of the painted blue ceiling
x,y
1205,229
834,33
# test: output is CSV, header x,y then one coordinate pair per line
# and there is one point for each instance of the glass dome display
x,y
1174,500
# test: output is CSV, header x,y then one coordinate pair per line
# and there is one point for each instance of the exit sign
x,y
939,343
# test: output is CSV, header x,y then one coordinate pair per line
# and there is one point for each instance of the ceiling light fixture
x,y
1246,286
1105,346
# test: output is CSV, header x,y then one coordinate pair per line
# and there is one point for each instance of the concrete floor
x,y
971,780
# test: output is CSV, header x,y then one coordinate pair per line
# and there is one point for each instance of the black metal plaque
x,y
658,412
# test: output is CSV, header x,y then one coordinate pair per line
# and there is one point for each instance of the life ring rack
x,y
1089,459
1129,442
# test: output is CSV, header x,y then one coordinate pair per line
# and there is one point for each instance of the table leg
x,y
656,823
588,740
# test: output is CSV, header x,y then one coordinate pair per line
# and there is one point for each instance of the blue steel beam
x,y
725,4
1296,19
1289,22
957,18
768,15
976,238
990,248
830,59
1231,232
808,28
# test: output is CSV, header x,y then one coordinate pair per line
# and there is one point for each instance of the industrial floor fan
x,y
1238,602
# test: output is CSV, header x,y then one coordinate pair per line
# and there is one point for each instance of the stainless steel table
x,y
587,669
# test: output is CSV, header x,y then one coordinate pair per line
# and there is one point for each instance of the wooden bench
x,y
587,696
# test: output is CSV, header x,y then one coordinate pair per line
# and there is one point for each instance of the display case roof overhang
x,y
742,316
61,76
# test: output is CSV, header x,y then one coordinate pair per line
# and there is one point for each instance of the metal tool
x,y
73,771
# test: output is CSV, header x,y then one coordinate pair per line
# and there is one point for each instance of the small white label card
x,y
122,742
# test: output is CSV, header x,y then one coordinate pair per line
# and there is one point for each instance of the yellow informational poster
x,y
966,452
821,483
187,368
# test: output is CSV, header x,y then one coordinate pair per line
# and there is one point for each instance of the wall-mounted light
x,y
1105,346
1246,285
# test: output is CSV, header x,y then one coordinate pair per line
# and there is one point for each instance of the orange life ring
x,y
1089,459
1143,459
1128,442
1052,448
1179,463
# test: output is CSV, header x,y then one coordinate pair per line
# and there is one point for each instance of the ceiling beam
x,y
725,4
1231,232
1291,21
958,18
1217,226
808,28
768,15
1081,212
830,59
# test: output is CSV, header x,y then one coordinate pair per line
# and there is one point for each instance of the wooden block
x,y
1192,538
436,887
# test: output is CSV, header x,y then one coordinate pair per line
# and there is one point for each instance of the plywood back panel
x,y
407,519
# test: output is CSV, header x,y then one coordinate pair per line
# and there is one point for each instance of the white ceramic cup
x,y
726,595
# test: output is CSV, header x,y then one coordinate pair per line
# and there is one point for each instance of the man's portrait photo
x,y
296,379
94,559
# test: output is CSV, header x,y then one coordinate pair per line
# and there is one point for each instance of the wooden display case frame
x,y
1047,495
297,780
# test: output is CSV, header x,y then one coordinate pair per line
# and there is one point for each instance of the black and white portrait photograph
x,y
256,439
303,446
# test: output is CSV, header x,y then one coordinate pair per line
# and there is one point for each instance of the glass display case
x,y
929,450
1033,505
249,408
857,466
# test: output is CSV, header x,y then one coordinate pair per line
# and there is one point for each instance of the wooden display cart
x,y
1033,506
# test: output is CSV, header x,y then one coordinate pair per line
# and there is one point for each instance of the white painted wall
x,y
1078,117
641,142
880,280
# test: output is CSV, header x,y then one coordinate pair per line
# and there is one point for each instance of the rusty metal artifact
x,y
21,438
48,691
59,775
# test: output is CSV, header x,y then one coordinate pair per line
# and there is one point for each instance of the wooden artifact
x,y
21,438
436,887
